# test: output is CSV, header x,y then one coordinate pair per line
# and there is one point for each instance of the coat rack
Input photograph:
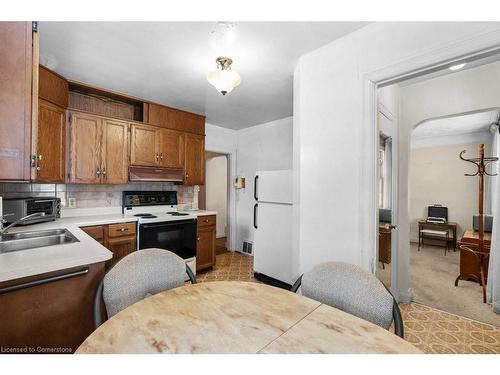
x,y
481,251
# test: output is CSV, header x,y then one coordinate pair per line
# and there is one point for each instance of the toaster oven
x,y
16,208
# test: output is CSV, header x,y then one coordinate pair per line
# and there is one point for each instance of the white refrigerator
x,y
272,222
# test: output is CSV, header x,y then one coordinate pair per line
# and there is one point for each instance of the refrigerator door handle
x,y
255,187
255,215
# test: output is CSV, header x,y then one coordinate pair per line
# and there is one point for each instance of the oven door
x,y
177,236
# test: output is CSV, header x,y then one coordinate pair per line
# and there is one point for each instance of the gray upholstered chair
x,y
137,276
353,290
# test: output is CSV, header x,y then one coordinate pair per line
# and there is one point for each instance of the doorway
x,y
427,275
214,195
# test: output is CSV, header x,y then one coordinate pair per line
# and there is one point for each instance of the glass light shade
x,y
224,80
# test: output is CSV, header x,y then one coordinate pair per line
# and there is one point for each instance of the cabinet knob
x,y
123,229
206,220
157,157
198,239
98,172
104,172
39,157
161,156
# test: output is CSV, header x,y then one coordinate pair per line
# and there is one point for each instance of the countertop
x,y
17,264
40,260
201,212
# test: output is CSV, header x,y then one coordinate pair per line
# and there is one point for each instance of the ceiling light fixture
x,y
224,79
457,67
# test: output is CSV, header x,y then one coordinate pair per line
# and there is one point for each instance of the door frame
x,y
231,208
394,189
475,47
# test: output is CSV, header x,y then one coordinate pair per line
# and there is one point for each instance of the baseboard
x,y
271,281
402,296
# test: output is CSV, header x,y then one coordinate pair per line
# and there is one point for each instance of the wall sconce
x,y
239,182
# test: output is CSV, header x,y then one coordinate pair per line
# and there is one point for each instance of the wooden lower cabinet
x,y
120,239
205,246
55,316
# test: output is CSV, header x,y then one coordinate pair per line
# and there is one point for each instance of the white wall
x,y
263,147
216,191
437,176
334,214
219,139
456,139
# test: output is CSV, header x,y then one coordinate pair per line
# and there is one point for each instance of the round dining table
x,y
238,317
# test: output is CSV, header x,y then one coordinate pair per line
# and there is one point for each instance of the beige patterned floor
x,y
429,329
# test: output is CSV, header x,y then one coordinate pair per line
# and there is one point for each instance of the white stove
x,y
161,225
156,214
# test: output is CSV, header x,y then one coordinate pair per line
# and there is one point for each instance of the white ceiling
x,y
167,62
457,125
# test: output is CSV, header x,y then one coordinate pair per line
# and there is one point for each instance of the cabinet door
x,y
85,148
205,248
171,149
120,247
114,152
50,314
96,232
52,87
15,100
51,140
144,145
194,159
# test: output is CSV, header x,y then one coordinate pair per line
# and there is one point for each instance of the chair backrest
x,y
140,274
351,289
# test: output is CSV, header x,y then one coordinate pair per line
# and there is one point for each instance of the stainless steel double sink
x,y
30,240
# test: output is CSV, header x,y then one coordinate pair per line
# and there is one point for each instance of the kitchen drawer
x,y
96,232
121,230
206,221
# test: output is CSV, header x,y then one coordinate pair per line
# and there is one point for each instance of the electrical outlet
x,y
71,202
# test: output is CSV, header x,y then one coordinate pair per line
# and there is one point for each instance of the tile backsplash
x,y
88,196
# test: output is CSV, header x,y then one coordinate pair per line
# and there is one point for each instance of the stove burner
x,y
175,213
146,216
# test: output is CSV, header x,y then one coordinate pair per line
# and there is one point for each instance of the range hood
x,y
136,174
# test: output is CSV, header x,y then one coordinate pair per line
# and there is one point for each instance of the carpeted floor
x,y
429,329
432,284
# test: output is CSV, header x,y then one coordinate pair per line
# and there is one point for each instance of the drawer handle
x,y
123,229
44,281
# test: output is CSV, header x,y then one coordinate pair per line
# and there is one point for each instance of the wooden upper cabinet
x,y
51,140
194,162
99,150
16,78
144,145
52,87
171,149
114,152
175,119
85,144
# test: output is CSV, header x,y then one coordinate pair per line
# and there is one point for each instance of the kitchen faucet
x,y
6,229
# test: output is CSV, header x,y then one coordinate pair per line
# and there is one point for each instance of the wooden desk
x,y
238,317
469,267
450,225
